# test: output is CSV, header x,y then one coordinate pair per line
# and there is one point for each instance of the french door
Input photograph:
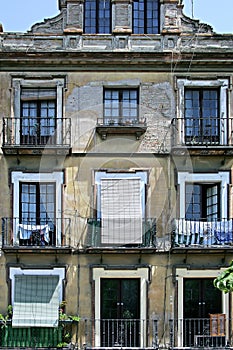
x,y
201,299
37,213
202,201
202,122
38,116
120,312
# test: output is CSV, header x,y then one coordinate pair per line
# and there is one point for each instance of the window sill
x,y
36,149
194,150
137,130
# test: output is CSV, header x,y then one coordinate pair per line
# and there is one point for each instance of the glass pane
x,y
130,300
109,295
97,16
212,200
193,202
146,16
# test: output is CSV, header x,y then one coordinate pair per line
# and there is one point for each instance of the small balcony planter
x,y
36,337
68,322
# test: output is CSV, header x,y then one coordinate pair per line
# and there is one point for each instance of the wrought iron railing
x,y
200,333
211,131
87,334
202,232
144,236
22,132
119,333
191,333
47,233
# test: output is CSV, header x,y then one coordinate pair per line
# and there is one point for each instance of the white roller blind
x,y
29,94
36,301
121,211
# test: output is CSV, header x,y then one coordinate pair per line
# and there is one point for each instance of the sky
x,y
20,15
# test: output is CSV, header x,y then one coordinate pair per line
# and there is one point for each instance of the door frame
x,y
182,273
142,274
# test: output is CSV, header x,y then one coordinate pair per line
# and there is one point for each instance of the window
x,y
38,116
120,105
202,112
142,276
37,202
36,295
190,284
202,122
203,196
37,208
202,201
97,17
146,16
121,206
120,301
203,218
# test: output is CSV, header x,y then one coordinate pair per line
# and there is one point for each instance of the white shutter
x,y
36,301
121,211
212,202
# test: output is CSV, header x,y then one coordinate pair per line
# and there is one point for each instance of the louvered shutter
x,y
121,211
36,301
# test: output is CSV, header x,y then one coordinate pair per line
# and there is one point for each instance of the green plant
x,y
10,310
66,324
224,281
63,316
74,318
8,316
62,345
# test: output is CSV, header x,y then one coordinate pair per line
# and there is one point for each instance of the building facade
x,y
116,179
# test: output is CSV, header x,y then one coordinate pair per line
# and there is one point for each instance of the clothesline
x,y
26,230
207,232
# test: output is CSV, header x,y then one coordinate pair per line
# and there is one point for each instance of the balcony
x,y
143,234
116,126
202,333
203,135
53,235
86,334
194,233
34,337
213,332
119,334
50,136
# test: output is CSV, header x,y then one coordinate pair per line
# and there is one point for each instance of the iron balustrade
x,y
51,233
199,333
189,333
211,131
148,235
47,132
202,233
119,333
